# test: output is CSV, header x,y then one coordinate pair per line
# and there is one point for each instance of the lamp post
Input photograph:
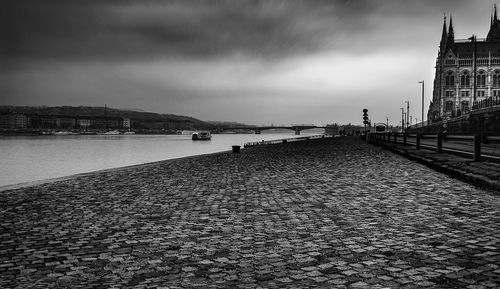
x,y
402,119
407,113
422,119
473,39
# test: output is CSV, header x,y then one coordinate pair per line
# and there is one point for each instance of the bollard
x,y
439,147
236,149
477,147
418,141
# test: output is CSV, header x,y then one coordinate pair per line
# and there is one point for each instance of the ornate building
x,y
467,71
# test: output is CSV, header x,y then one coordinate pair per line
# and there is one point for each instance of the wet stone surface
x,y
330,213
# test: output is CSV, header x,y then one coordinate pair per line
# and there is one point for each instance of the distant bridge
x,y
258,129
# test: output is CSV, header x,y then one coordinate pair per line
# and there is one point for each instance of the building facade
x,y
467,71
13,121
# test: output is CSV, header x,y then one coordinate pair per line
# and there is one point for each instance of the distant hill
x,y
229,124
140,119
94,111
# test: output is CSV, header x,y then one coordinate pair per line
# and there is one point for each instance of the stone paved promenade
x,y
330,213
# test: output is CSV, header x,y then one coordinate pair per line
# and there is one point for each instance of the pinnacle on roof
x,y
442,44
495,17
450,41
494,33
451,33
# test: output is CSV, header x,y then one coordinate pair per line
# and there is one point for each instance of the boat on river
x,y
201,135
111,132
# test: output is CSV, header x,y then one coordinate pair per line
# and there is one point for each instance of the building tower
x,y
465,66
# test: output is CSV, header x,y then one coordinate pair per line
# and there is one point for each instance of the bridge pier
x,y
257,131
297,131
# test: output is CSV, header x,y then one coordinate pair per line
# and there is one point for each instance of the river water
x,y
34,158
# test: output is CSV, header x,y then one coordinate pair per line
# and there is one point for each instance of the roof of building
x,y
483,49
465,48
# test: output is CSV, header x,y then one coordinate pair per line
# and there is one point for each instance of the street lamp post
x,y
474,64
407,113
422,119
402,119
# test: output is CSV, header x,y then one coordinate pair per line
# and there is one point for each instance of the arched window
x,y
465,78
450,79
481,78
496,78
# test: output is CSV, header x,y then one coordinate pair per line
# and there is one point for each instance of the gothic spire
x,y
495,18
450,41
451,33
494,33
442,44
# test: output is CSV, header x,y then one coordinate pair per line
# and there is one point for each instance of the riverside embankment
x,y
483,172
330,213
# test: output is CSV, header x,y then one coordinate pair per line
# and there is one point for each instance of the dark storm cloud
x,y
198,28
99,29
233,59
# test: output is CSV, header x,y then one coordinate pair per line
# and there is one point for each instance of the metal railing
x,y
283,141
485,103
477,146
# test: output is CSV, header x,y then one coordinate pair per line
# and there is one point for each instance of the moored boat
x,y
201,135
111,132
61,132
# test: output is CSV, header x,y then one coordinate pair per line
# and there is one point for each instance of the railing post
x,y
418,141
439,148
405,136
477,147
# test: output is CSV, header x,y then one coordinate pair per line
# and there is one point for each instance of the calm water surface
x,y
34,158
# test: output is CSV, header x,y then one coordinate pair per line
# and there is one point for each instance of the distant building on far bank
x,y
83,123
126,123
13,121
467,71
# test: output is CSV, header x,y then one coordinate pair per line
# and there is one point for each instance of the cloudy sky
x,y
251,61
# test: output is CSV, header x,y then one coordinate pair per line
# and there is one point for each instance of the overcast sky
x,y
256,62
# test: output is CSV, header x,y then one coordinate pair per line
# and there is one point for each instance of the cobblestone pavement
x,y
331,213
482,173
